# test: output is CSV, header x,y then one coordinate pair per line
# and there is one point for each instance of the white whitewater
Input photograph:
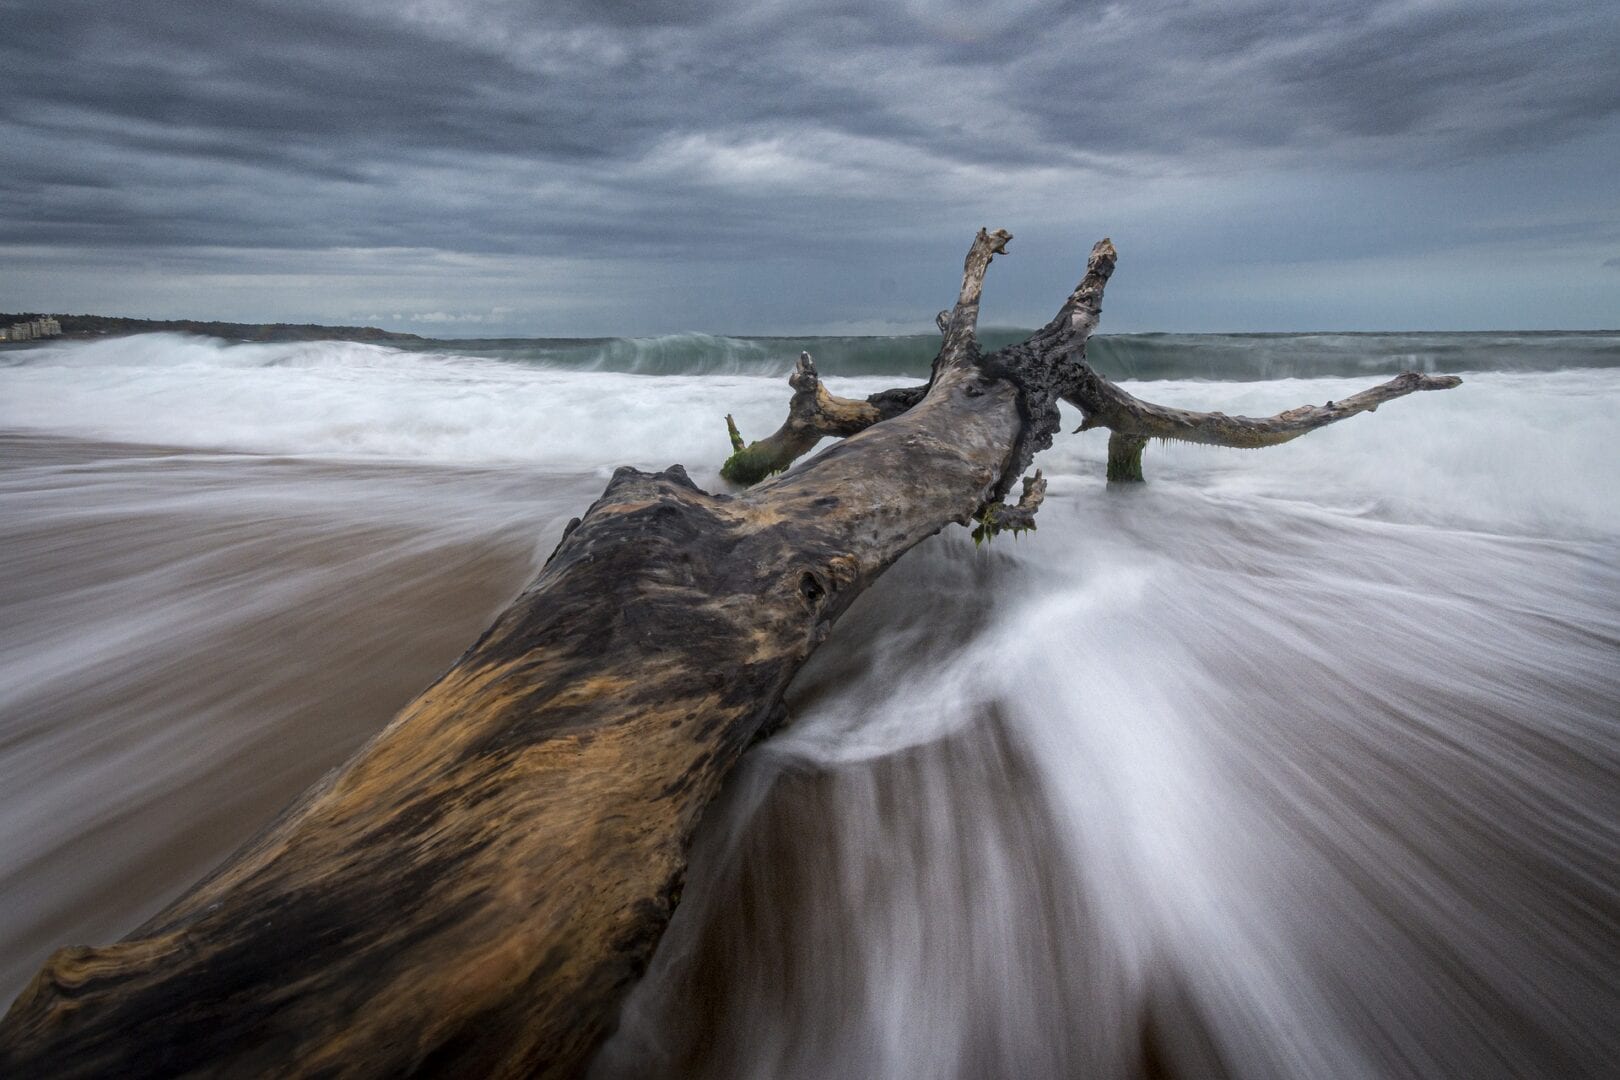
x,y
1295,762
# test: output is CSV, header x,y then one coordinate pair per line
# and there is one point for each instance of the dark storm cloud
x,y
194,113
263,83
1358,83
670,131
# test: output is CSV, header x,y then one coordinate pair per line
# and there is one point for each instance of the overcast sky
x,y
480,167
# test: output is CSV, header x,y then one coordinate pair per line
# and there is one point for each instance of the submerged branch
x,y
1125,457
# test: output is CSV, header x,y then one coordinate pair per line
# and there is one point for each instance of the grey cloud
x,y
249,81
253,80
730,130
1369,83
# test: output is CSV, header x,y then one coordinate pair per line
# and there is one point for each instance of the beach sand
x,y
187,640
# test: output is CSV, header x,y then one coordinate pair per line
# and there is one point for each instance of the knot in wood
x,y
811,590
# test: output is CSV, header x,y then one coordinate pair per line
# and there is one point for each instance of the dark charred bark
x,y
475,891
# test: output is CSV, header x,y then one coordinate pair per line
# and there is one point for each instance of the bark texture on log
x,y
475,891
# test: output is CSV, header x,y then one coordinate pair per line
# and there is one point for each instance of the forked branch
x,y
1048,365
813,413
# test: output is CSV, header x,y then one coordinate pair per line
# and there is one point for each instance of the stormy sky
x,y
484,167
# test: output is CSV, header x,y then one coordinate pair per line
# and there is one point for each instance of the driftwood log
x,y
475,891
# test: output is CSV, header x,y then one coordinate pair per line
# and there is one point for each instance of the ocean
x,y
1291,762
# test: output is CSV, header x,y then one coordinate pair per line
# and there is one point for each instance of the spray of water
x,y
1297,762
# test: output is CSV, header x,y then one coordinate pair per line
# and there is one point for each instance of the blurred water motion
x,y
1303,762
189,640
1208,793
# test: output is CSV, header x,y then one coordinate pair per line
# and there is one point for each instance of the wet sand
x,y
187,640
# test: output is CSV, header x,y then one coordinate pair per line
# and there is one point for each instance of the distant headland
x,y
91,326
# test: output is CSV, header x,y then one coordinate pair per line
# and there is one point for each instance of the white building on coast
x,y
30,329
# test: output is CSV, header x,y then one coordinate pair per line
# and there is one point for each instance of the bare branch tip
x,y
995,243
1103,254
804,375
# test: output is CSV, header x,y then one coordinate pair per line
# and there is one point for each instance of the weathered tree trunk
x,y
475,891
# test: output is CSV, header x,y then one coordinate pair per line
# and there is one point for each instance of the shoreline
x,y
97,327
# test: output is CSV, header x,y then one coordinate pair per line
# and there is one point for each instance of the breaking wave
x,y
1242,357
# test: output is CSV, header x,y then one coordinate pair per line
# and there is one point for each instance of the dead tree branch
x,y
1058,348
1133,421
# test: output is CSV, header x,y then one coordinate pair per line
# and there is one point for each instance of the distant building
x,y
30,329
